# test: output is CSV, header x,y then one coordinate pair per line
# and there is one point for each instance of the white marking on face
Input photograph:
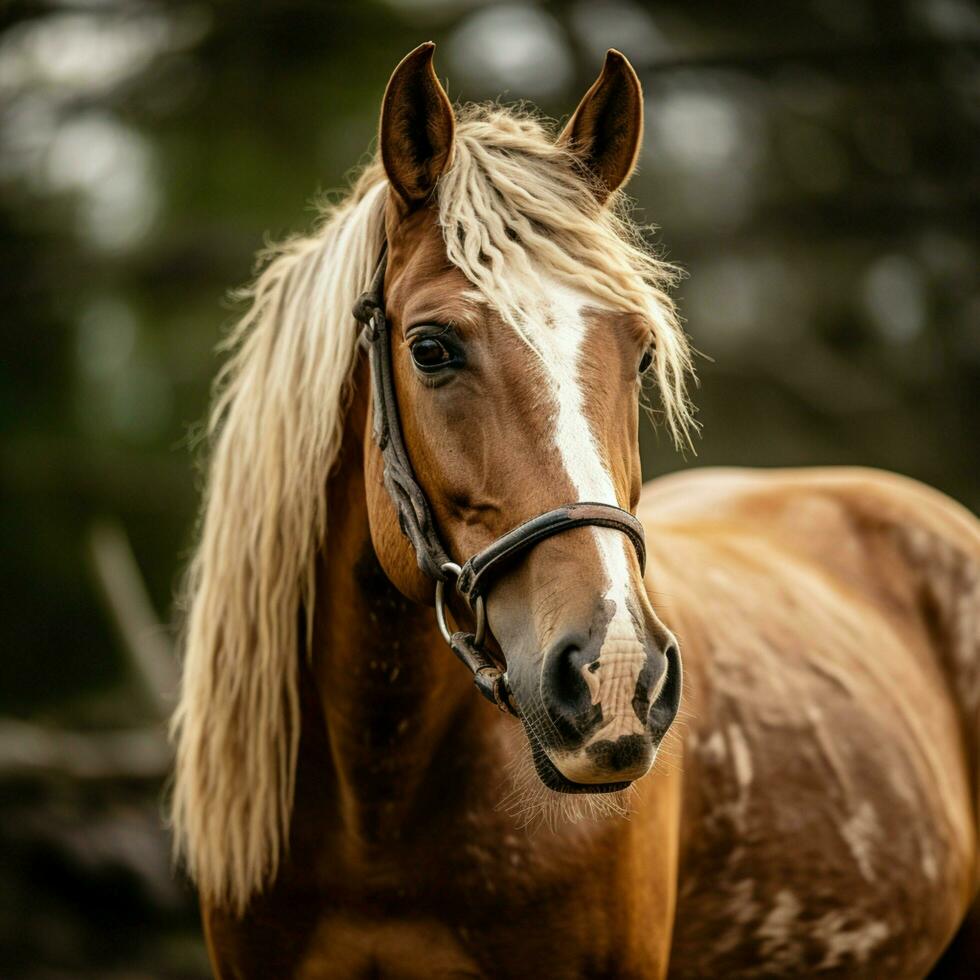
x,y
559,337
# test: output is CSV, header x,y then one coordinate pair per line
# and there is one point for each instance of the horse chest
x,y
345,945
508,906
416,944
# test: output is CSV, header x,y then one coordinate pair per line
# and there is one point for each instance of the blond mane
x,y
512,207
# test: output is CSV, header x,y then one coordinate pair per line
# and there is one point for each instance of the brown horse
x,y
346,803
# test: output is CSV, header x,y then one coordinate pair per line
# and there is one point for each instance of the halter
x,y
475,577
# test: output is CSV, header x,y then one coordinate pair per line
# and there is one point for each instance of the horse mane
x,y
511,195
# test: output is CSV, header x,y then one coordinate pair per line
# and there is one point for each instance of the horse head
x,y
521,331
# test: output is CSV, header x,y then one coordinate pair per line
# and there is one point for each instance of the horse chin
x,y
553,779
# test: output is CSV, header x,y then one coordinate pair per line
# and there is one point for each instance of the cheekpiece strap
x,y
414,515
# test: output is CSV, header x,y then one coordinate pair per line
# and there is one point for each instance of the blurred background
x,y
813,166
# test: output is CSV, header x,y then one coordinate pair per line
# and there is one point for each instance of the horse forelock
x,y
517,214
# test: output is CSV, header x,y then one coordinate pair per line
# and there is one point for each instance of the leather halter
x,y
476,576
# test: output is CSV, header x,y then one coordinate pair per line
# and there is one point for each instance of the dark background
x,y
813,166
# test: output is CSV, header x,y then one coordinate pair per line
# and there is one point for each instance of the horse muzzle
x,y
600,719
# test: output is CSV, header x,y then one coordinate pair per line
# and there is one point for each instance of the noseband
x,y
474,578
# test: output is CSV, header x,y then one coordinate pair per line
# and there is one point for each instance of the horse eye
x,y
645,362
430,354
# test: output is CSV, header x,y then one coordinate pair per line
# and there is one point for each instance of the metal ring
x,y
454,569
481,610
481,622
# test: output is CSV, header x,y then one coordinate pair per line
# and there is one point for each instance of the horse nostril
x,y
662,712
567,685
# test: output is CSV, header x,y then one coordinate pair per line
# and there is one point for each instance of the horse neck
x,y
390,692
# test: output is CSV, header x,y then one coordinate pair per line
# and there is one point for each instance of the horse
x,y
801,797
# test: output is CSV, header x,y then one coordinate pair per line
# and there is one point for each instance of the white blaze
x,y
559,340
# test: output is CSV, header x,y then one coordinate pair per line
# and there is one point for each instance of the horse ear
x,y
417,127
606,129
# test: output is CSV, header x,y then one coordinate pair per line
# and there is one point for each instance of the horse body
x,y
346,803
829,820
818,816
